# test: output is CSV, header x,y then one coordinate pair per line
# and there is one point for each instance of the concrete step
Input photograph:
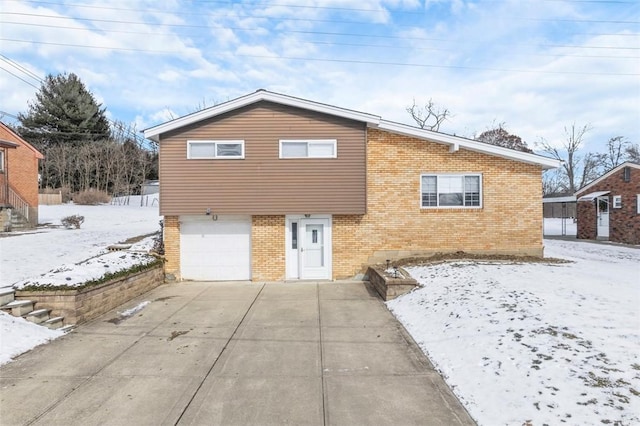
x,y
19,308
67,328
54,323
7,296
38,316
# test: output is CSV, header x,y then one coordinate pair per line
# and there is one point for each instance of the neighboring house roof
x,y
606,175
20,140
567,199
372,121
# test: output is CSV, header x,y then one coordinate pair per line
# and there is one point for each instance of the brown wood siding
x,y
262,183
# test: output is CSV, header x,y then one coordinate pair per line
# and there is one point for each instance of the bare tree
x,y
429,117
616,151
632,153
577,170
553,183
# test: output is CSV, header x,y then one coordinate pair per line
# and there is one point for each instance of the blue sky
x,y
535,65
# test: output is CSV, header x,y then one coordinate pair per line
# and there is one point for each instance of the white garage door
x,y
215,250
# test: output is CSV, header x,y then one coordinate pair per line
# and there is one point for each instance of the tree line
x,y
578,167
83,149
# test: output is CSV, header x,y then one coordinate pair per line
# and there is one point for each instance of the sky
x,y
535,66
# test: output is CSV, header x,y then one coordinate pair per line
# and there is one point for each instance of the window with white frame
x,y
320,148
638,203
1,160
449,190
617,201
218,150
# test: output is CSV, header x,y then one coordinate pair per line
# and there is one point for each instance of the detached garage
x,y
215,247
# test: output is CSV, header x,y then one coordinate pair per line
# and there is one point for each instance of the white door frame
x,y
602,225
293,255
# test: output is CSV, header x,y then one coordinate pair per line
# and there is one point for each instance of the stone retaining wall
x,y
387,286
78,306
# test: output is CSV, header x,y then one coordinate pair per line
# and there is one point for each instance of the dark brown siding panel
x,y
261,183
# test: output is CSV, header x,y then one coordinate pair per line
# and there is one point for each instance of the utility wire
x,y
327,33
329,43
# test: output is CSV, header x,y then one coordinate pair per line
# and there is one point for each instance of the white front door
x,y
308,248
602,204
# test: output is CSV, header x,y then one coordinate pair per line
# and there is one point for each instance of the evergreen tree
x,y
64,111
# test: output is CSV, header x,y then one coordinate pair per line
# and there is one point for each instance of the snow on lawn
x,y
18,335
547,343
58,256
554,226
27,255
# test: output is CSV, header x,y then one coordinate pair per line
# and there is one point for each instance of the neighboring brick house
x,y
18,179
270,187
609,207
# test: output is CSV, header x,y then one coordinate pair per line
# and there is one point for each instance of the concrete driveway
x,y
233,354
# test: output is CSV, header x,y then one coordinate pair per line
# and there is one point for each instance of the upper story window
x,y
218,149
321,148
451,191
617,201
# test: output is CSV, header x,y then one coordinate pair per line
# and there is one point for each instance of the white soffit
x,y
593,195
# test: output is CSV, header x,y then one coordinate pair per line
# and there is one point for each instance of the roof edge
x,y
37,153
457,142
608,174
154,133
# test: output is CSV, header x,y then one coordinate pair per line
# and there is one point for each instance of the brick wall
x,y
624,223
22,171
172,247
510,221
268,248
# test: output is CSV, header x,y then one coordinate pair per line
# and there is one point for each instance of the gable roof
x,y
20,141
372,121
608,174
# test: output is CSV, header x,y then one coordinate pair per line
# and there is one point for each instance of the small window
x,y
2,161
227,150
638,203
325,148
451,191
617,201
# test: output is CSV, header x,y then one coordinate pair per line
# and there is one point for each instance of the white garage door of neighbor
x,y
215,250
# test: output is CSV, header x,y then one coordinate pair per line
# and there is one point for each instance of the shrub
x,y
73,221
91,197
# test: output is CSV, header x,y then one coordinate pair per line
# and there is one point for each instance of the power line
x,y
363,62
331,43
18,77
327,33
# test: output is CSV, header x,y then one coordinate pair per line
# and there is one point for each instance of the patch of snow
x,y
553,226
545,343
134,310
19,335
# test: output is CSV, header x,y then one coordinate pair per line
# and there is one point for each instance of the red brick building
x,y
609,207
18,179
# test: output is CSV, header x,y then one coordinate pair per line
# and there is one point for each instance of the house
x,y
18,180
272,187
609,207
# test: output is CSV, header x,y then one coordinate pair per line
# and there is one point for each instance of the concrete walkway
x,y
233,354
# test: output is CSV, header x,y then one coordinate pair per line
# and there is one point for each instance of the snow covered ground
x,y
545,343
554,226
53,256
27,255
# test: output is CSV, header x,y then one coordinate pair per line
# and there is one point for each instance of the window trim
x,y
616,202
333,142
462,175
2,154
638,203
215,143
